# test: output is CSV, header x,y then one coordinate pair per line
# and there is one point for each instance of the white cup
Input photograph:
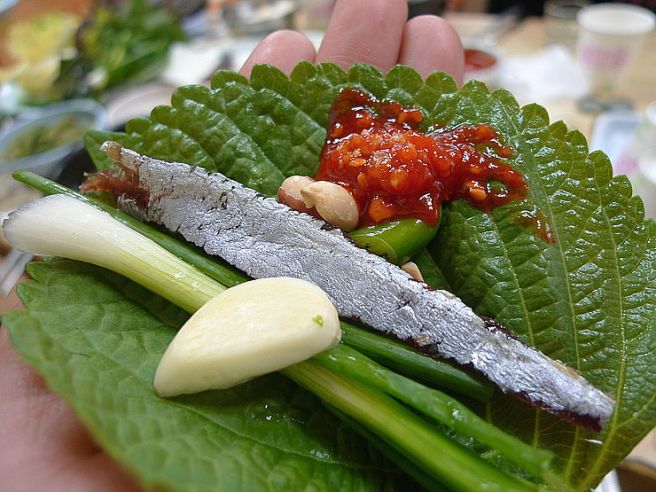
x,y
610,36
644,181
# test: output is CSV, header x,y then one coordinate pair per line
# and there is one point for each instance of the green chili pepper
x,y
397,240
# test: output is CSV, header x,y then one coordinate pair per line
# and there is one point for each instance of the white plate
x,y
137,102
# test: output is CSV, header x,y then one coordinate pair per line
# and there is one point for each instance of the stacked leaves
x,y
586,299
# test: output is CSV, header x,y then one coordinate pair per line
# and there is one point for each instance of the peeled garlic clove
x,y
252,329
334,204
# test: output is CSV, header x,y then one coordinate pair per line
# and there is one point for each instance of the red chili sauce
x,y
478,60
394,171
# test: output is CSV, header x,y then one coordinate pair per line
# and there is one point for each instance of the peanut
x,y
412,269
333,203
289,192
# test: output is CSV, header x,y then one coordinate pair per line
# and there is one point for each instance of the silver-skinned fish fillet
x,y
265,238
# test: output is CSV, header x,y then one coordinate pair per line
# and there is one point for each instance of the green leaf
x,y
588,299
97,339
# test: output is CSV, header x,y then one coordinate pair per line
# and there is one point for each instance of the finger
x,y
430,44
31,417
364,31
50,448
98,473
284,49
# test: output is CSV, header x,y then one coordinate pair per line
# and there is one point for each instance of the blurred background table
x,y
530,36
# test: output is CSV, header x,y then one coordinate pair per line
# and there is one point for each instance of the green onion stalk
x,y
380,401
404,360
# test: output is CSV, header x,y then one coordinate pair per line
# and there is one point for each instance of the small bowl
x,y
85,112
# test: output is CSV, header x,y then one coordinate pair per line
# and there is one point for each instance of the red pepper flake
x,y
379,211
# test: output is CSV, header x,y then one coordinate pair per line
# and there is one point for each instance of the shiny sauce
x,y
375,150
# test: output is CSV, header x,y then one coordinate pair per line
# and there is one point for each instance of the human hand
x,y
373,32
45,446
